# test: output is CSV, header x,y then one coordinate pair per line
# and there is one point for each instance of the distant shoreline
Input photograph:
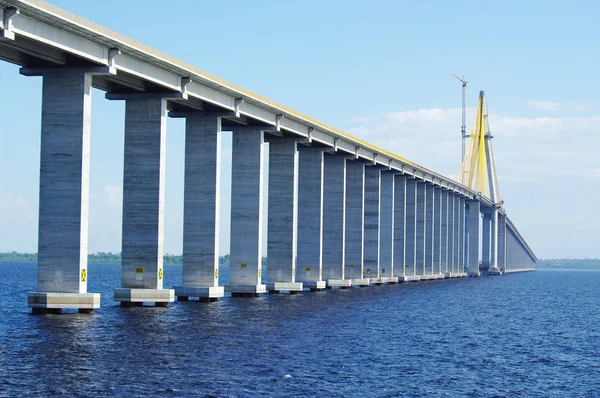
x,y
107,258
100,257
115,258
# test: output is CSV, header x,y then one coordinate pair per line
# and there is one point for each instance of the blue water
x,y
523,335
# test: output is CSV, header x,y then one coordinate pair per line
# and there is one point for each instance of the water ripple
x,y
525,335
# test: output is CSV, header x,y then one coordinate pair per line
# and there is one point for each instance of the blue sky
x,y
381,70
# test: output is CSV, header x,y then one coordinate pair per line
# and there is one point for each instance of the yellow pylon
x,y
478,171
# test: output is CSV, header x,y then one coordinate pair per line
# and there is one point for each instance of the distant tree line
x,y
568,263
110,257
14,256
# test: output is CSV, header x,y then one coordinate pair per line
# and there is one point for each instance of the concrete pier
x,y
420,229
371,224
437,234
444,234
246,212
452,236
501,241
386,227
493,268
472,250
310,217
485,245
456,234
334,220
200,270
462,239
282,220
143,202
493,235
64,195
429,228
354,239
399,227
411,229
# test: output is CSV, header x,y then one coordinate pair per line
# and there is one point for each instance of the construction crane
x,y
463,128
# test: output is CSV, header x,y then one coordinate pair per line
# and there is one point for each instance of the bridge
x,y
341,212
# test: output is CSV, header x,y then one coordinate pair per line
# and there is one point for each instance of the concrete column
x,y
245,271
64,195
501,241
485,246
200,270
508,252
472,260
355,190
509,248
511,253
399,248
465,238
517,254
420,229
310,217
371,223
429,227
411,231
437,233
462,238
143,203
386,227
334,220
493,236
444,251
455,233
494,269
514,252
282,220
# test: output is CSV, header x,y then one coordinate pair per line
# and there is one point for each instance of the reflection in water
x,y
60,353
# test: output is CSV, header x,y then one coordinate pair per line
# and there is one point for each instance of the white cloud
x,y
555,106
525,148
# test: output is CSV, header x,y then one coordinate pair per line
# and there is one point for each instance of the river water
x,y
534,334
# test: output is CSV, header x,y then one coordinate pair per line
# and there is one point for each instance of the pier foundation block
x,y
44,303
277,287
201,292
131,297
